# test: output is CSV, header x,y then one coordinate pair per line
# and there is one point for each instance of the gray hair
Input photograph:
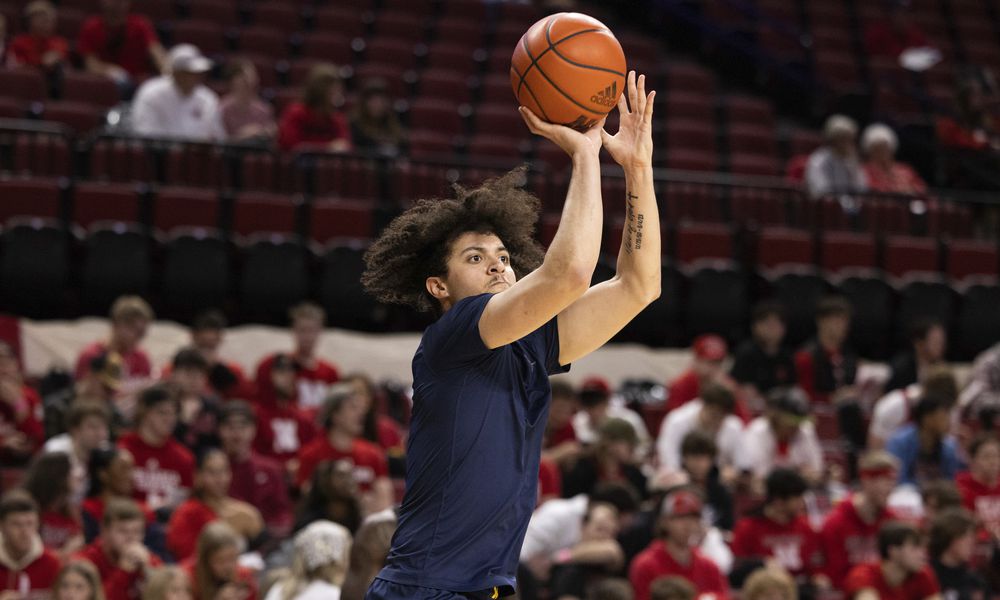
x,y
879,132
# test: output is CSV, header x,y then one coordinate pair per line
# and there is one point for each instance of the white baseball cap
x,y
188,59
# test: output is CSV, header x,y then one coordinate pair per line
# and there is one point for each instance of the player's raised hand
x,y
632,146
569,139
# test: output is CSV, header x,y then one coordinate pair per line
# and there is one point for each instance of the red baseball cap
x,y
596,385
710,347
682,503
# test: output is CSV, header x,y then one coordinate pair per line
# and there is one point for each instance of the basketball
x,y
569,69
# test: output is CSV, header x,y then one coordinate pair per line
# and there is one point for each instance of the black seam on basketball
x,y
534,60
556,87
537,103
552,47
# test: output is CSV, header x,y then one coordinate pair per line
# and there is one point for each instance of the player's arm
x,y
607,307
569,263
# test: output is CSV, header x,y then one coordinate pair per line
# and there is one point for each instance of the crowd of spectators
x,y
196,479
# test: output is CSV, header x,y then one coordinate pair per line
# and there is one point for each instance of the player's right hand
x,y
570,140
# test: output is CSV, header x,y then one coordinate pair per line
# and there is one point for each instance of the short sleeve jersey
x,y
473,452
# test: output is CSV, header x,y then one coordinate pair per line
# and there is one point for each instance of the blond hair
x,y
307,311
214,537
762,581
131,308
159,580
83,569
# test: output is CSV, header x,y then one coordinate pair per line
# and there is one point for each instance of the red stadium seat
x,y
30,198
755,139
82,117
26,84
500,119
751,163
758,206
90,88
327,47
473,10
444,84
282,16
804,141
392,74
345,177
100,201
448,55
42,154
434,114
781,246
905,255
750,111
489,146
690,77
222,12
845,250
195,165
697,241
391,51
968,258
423,8
121,160
688,135
694,106
206,35
692,160
13,108
263,41
887,216
258,212
401,26
463,31
425,143
156,10
343,19
333,218
176,207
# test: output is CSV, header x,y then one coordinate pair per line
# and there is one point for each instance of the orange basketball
x,y
569,69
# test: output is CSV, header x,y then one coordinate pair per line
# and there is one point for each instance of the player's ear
x,y
437,287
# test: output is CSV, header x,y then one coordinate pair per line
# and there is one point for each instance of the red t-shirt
x,y
260,481
244,576
33,581
127,46
28,50
136,364
901,179
920,585
564,434
389,433
56,529
162,473
687,388
185,525
655,561
118,584
240,387
983,501
953,134
549,479
311,383
848,541
795,545
282,430
30,425
368,459
301,127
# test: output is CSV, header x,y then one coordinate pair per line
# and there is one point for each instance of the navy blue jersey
x,y
473,452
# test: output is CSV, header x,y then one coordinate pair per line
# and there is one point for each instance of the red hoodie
x,y
33,576
118,583
849,541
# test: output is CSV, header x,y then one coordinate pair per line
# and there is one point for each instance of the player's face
x,y
478,264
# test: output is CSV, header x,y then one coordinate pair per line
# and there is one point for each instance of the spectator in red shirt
x,y
560,445
379,428
210,501
226,379
39,46
675,551
710,352
901,574
826,367
50,481
972,126
197,422
283,428
27,569
78,580
164,469
111,476
980,485
245,116
779,533
313,375
21,429
256,479
317,123
848,535
214,570
119,555
343,416
884,172
121,46
130,318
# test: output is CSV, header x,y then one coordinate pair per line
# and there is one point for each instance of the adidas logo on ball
x,y
606,97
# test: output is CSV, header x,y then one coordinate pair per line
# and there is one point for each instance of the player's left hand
x,y
632,146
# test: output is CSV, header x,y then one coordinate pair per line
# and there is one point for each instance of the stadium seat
x,y
341,292
439,115
81,117
659,323
34,268
692,160
783,247
451,56
499,119
475,11
691,105
344,177
924,298
101,201
971,258
222,12
331,218
427,143
326,47
23,83
258,212
690,77
977,327
90,88
754,163
343,18
404,27
752,139
264,41
492,147
844,250
871,300
206,35
716,302
275,276
199,165
42,154
30,198
181,207
445,84
760,207
887,216
798,291
196,272
116,262
905,255
690,135
13,108
463,31
391,51
285,17
749,111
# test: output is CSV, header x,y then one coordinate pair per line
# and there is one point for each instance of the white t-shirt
x,y
759,451
555,525
683,420
159,110
893,411
316,590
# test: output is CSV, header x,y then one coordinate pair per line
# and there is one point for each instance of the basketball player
x,y
481,389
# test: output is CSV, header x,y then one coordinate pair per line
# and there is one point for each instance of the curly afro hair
x,y
416,245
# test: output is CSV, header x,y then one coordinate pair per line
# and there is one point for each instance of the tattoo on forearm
x,y
633,225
